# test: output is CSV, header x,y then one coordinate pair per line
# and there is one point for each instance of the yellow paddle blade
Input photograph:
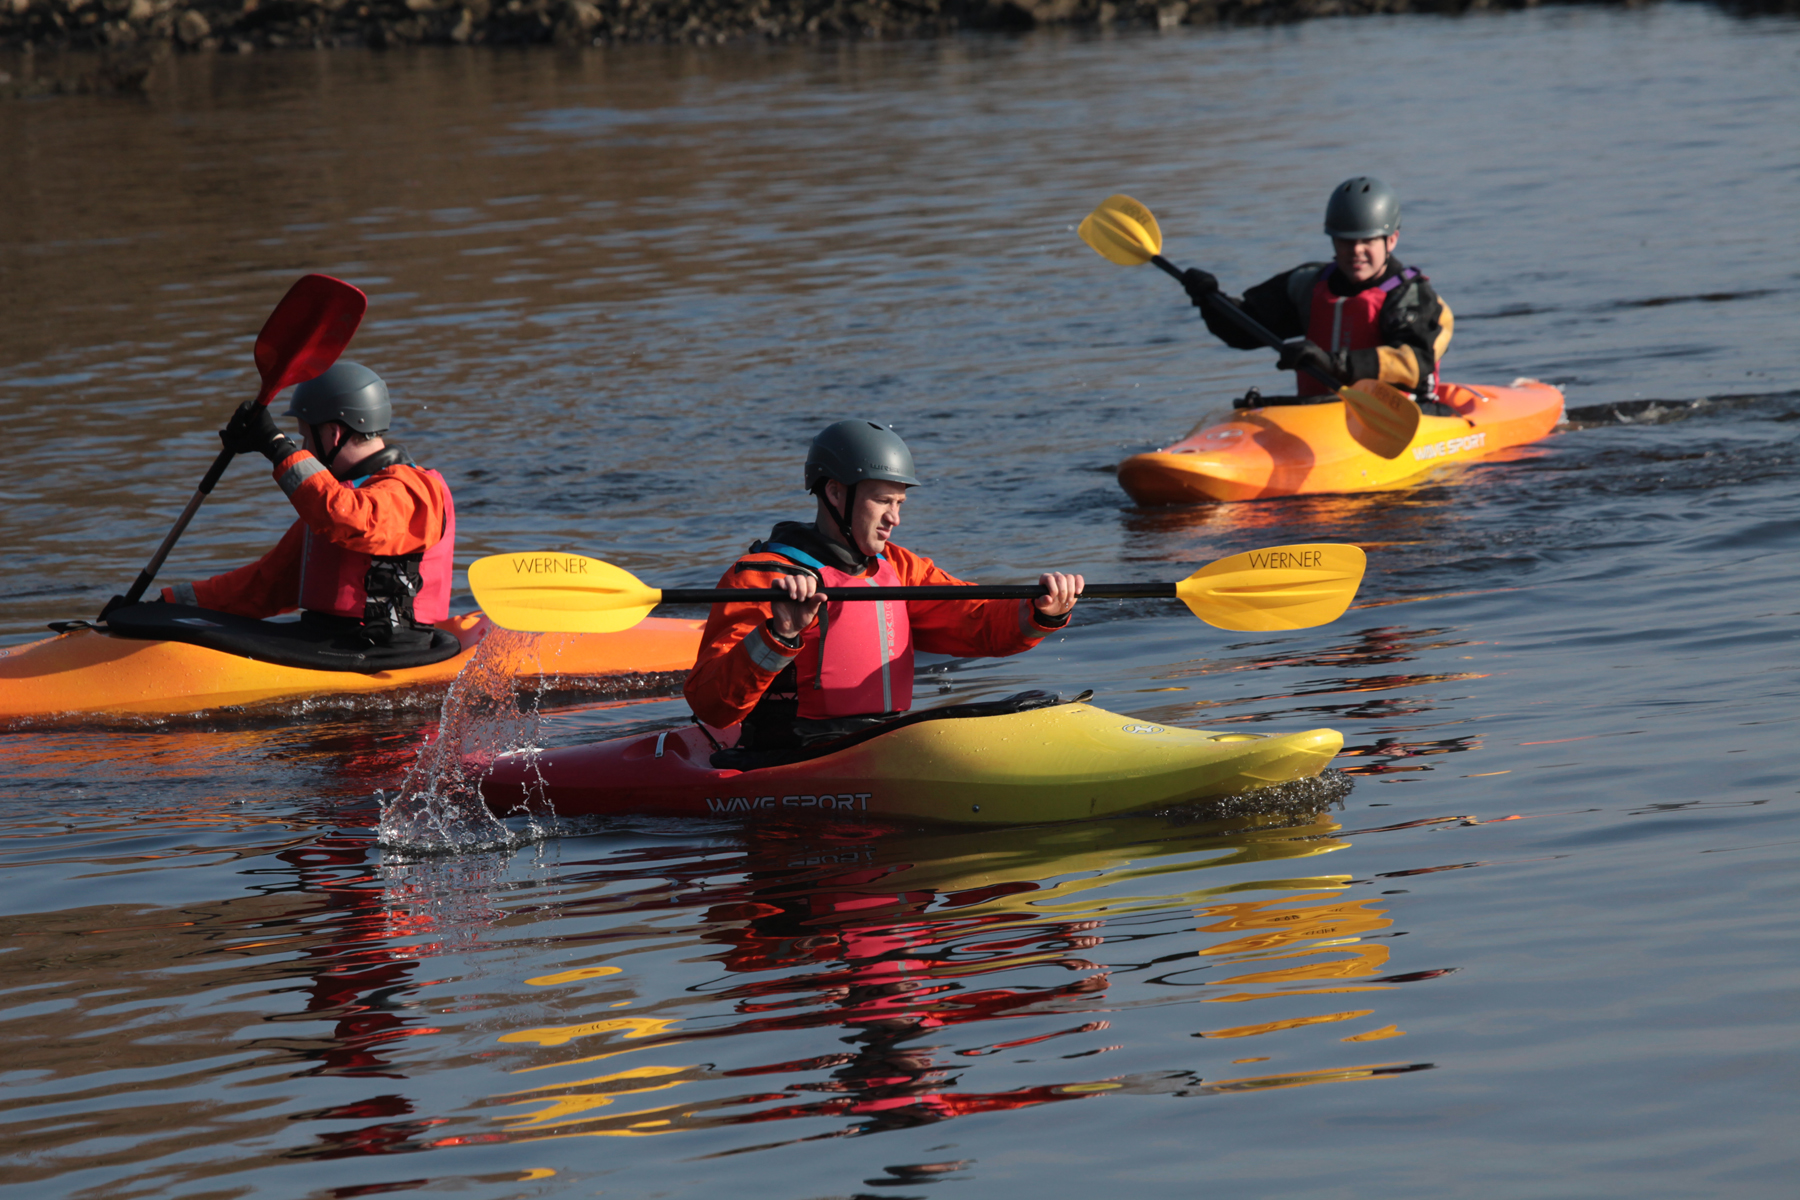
x,y
1284,587
1122,231
546,592
1380,416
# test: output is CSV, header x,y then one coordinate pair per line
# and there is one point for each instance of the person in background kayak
x,y
371,552
809,668
1362,315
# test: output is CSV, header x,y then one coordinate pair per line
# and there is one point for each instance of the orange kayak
x,y
1294,449
89,671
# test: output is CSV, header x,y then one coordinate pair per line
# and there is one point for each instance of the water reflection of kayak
x,y
1292,449
100,670
1056,763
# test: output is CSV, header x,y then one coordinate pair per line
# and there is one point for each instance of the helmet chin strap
x,y
343,437
843,518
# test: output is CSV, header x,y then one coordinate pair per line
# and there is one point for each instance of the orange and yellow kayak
x,y
89,671
1294,449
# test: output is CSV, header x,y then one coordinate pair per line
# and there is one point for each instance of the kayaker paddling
x,y
807,668
1363,315
370,556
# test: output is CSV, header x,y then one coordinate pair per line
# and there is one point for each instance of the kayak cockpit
x,y
311,644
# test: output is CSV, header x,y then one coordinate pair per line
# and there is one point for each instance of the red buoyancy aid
x,y
1336,322
337,581
858,659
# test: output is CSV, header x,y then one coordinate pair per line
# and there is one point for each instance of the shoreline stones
x,y
131,33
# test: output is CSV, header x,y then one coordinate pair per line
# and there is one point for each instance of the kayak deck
x,y
1296,449
87,671
1061,763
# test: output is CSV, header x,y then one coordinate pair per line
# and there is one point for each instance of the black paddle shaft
x,y
145,576
938,591
1249,324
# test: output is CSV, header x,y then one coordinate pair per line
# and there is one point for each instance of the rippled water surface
x,y
1534,939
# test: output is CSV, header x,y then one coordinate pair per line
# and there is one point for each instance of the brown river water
x,y
1534,939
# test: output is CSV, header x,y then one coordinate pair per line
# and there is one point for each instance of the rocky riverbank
x,y
131,33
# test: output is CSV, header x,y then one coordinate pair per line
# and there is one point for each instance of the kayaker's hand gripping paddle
x,y
300,340
1379,415
1286,587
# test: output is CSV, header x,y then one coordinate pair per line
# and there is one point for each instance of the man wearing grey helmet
x,y
813,667
371,553
1362,315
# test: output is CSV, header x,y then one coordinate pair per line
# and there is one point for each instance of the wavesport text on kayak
x,y
853,801
1455,445
549,564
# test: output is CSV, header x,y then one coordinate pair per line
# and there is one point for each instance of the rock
x,y
266,24
191,28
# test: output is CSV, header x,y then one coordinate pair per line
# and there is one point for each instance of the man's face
x,y
876,515
1363,259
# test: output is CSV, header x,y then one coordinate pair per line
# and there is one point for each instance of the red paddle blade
x,y
307,331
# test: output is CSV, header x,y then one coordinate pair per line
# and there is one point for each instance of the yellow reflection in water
x,y
579,973
1325,926
1238,1031
883,937
1269,1083
1376,1035
562,1108
558,1035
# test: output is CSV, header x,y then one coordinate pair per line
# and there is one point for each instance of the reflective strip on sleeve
x,y
765,656
184,594
302,470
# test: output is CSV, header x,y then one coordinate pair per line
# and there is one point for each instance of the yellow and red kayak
x,y
1294,449
1057,763
91,671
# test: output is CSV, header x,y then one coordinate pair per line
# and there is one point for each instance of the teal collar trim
x,y
801,556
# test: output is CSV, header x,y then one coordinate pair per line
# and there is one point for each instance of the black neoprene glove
x,y
1304,355
252,431
1199,284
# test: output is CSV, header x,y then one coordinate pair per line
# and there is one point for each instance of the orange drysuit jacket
x,y
397,510
726,681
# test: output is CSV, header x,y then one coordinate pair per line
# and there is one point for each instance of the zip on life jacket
x,y
394,599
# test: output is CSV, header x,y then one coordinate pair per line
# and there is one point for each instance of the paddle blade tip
x,y
1382,418
308,330
1122,231
546,591
1280,588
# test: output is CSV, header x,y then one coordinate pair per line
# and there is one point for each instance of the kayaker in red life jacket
x,y
810,668
371,552
1361,316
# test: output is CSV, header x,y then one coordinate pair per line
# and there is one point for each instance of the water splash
x,y
1297,799
438,809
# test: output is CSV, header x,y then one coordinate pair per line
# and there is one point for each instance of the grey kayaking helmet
x,y
852,451
1363,207
348,392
